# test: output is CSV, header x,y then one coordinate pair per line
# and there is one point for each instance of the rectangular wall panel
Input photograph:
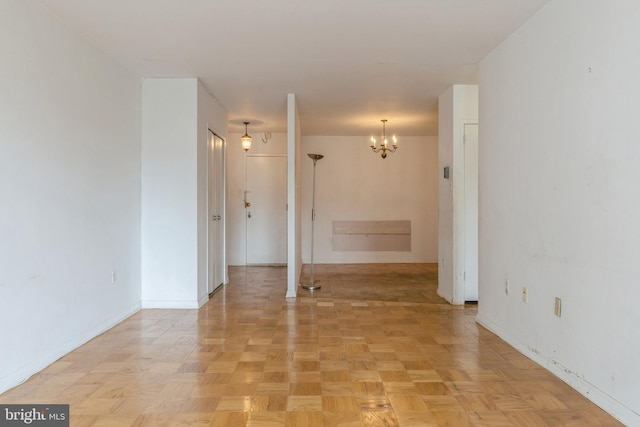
x,y
390,236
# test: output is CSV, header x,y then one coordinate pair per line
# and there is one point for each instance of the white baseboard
x,y
203,300
43,360
617,410
170,304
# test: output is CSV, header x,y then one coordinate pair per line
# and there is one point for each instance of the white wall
x,y
236,167
456,106
353,170
169,193
353,183
559,196
69,190
175,117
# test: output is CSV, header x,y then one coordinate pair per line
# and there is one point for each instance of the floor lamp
x,y
315,157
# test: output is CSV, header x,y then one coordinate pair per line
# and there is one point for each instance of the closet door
x,y
216,211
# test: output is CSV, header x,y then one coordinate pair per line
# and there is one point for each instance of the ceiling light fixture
x,y
383,142
246,138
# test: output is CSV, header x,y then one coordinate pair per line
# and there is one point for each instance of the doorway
x,y
470,212
266,210
216,212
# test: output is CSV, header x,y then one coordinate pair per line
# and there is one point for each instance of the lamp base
x,y
311,286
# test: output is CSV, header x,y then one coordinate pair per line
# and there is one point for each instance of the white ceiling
x,y
349,62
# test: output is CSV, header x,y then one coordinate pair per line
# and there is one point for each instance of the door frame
x,y
468,251
246,225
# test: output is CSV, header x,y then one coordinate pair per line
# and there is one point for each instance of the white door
x,y
266,210
471,212
215,211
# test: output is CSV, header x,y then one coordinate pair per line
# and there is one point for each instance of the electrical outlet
x,y
506,286
113,276
525,295
558,307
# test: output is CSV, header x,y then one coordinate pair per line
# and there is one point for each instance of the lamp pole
x,y
315,157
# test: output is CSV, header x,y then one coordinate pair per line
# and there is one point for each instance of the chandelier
x,y
384,145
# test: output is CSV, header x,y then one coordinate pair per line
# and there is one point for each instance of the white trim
x,y
616,409
204,298
291,294
174,304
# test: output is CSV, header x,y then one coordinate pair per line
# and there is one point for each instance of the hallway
x,y
375,346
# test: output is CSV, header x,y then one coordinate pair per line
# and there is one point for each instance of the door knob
x,y
247,204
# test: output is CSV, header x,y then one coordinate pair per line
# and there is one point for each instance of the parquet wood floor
x,y
375,346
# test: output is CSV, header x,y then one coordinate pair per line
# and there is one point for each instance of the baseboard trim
x,y
616,409
291,294
172,304
32,367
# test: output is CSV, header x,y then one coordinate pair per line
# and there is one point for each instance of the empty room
x,y
339,213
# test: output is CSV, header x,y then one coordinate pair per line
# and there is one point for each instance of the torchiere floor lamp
x,y
315,157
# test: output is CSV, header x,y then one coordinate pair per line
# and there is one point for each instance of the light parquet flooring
x,y
375,346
